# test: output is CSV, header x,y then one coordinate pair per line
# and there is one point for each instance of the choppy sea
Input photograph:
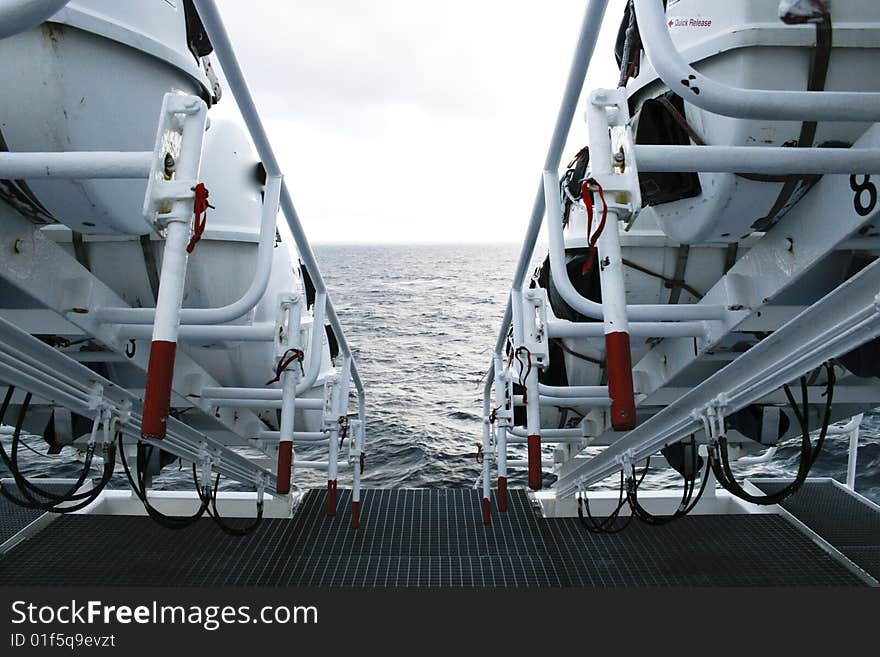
x,y
422,320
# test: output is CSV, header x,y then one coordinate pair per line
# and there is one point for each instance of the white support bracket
x,y
621,182
178,122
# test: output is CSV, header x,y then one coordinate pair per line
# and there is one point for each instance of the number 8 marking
x,y
860,188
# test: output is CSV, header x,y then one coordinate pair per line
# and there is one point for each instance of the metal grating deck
x,y
15,518
844,520
422,538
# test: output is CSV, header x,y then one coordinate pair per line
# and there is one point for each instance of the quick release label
x,y
693,21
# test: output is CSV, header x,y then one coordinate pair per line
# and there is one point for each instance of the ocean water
x,y
422,321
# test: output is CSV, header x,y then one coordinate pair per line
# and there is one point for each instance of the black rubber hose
x,y
606,525
169,522
720,458
29,490
27,487
685,506
228,529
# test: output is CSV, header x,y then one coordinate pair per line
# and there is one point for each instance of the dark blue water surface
x,y
422,321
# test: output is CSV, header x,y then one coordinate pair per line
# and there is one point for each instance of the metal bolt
x,y
169,165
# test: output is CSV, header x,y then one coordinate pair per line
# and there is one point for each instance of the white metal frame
x,y
684,332
92,308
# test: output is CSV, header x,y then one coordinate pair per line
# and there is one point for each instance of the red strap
x,y
200,213
587,195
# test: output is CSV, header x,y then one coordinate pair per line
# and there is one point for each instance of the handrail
x,y
592,309
236,309
573,391
583,54
758,159
216,30
562,328
718,98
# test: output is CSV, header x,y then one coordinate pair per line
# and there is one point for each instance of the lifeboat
x,y
96,75
746,45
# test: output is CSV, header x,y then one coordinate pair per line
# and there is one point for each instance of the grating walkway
x,y
842,519
14,518
423,538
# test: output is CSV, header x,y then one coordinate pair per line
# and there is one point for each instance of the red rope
x,y
285,361
587,195
200,213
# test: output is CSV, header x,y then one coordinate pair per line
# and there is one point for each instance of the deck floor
x,y
845,521
422,538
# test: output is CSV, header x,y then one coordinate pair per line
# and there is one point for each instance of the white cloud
x,y
412,121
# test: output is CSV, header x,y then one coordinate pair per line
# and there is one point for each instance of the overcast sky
x,y
413,120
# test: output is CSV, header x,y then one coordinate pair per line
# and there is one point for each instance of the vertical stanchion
x,y
853,455
528,372
291,310
337,420
501,432
616,324
356,465
160,370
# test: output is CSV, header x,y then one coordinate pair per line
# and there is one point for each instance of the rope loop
x,y
285,361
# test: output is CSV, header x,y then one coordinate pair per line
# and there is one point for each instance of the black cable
x,y
720,459
169,522
687,504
